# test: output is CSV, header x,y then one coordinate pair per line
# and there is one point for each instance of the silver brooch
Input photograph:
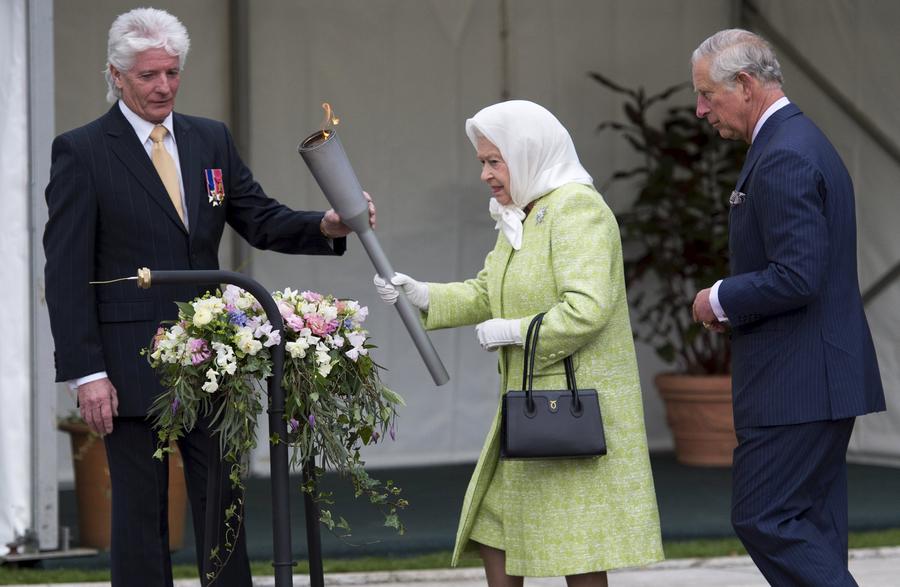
x,y
540,215
737,198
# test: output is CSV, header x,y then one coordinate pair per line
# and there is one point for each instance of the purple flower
x,y
393,432
348,323
312,420
199,350
237,317
293,423
175,403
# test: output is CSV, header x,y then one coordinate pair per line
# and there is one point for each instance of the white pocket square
x,y
737,198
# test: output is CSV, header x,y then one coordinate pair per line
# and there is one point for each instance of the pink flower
x,y
311,296
285,309
340,305
294,322
199,350
317,324
160,335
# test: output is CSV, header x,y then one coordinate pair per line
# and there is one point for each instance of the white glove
x,y
416,291
498,332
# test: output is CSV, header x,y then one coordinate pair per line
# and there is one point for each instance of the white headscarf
x,y
539,154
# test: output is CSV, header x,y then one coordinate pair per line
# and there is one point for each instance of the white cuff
x,y
714,302
74,383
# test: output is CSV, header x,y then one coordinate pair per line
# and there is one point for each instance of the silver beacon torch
x,y
324,155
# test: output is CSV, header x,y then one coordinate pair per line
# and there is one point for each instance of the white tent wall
x,y
854,44
404,75
15,344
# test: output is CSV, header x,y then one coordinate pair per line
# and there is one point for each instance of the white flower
x,y
244,301
328,312
337,342
246,342
357,339
322,355
272,337
324,370
308,308
297,348
212,384
355,352
202,317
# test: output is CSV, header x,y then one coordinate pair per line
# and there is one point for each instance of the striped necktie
x,y
165,166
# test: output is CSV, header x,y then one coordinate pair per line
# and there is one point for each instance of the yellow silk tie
x,y
165,166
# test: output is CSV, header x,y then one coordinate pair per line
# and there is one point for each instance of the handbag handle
x,y
531,340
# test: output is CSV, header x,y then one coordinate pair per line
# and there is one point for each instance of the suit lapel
x,y
184,138
131,153
762,140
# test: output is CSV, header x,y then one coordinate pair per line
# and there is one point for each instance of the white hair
x,y
139,30
735,50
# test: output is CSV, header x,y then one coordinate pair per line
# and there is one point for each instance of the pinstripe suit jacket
x,y
802,350
110,214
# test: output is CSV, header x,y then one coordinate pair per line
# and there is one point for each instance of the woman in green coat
x,y
558,251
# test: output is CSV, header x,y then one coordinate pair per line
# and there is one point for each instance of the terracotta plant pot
x,y
93,492
698,409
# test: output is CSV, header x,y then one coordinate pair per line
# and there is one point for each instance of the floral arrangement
x,y
212,361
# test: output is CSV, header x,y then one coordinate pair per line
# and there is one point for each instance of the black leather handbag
x,y
547,424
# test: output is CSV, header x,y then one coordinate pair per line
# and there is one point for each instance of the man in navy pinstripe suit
x,y
109,214
804,365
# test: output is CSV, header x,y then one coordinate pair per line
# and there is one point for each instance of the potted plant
x,y
675,237
93,493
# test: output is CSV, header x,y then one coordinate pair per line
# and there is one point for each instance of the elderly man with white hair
x,y
145,186
803,362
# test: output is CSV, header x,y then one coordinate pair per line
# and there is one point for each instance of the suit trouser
x,y
139,548
789,501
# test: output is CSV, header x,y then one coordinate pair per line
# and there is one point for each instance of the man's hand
x,y
702,312
98,402
332,226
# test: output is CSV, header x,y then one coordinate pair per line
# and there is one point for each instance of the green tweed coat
x,y
561,517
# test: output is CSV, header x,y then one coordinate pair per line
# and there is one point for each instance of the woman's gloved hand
x,y
498,332
416,291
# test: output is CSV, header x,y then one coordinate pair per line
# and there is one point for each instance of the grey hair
x,y
139,30
736,50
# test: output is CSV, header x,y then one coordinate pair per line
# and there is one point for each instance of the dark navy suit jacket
x,y
109,214
802,350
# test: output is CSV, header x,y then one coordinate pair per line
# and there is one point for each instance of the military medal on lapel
x,y
214,186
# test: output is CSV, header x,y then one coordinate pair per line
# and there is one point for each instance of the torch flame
x,y
330,119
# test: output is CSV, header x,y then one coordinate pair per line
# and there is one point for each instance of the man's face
x,y
149,88
725,108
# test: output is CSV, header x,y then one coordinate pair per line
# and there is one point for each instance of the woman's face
x,y
494,171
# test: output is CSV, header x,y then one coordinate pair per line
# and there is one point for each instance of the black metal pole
x,y
281,525
311,512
